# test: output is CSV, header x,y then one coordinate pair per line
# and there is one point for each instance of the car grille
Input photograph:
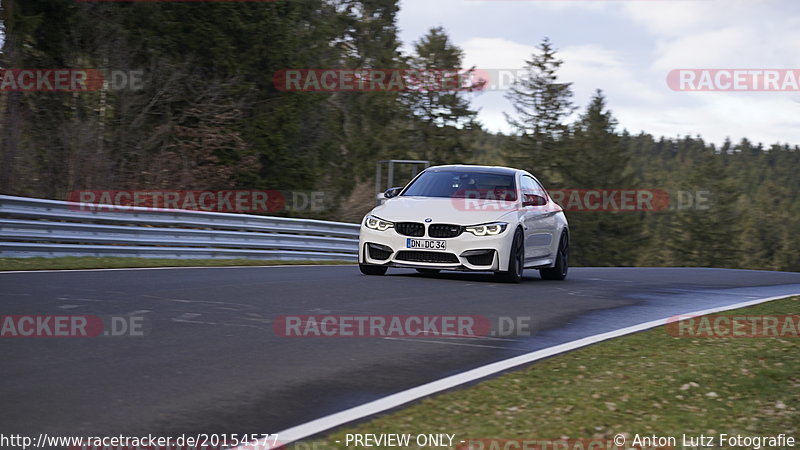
x,y
439,230
414,229
429,257
377,251
483,259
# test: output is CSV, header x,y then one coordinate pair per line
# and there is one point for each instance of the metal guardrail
x,y
50,228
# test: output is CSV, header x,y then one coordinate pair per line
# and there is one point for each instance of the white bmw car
x,y
467,218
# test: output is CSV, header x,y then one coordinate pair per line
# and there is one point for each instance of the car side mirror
x,y
533,200
392,192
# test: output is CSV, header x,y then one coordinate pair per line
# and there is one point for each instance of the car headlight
x,y
376,223
488,229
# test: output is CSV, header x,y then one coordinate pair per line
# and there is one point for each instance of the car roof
x,y
470,168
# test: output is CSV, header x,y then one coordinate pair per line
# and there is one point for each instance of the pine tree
x,y
367,126
441,117
707,234
595,157
541,104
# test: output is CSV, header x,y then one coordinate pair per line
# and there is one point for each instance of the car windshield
x,y
463,184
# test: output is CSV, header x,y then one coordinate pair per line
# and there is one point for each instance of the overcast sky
x,y
627,48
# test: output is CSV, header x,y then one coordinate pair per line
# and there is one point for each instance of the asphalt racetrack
x,y
210,361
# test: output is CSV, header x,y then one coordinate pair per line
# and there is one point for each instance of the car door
x,y
539,219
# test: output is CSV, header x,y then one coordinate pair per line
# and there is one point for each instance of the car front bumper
x,y
464,252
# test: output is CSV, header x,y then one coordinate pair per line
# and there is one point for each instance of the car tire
x,y
429,271
369,269
516,260
559,272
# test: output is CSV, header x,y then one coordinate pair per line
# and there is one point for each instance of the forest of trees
x,y
207,115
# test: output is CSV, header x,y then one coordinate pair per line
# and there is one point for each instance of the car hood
x,y
443,210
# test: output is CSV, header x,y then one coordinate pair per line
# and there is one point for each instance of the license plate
x,y
426,244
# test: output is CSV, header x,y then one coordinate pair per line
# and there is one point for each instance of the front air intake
x,y
380,252
481,259
428,257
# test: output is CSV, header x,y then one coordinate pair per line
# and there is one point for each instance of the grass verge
x,y
647,383
85,262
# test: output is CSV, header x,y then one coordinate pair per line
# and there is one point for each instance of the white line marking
x,y
464,336
486,338
168,268
424,341
317,426
185,317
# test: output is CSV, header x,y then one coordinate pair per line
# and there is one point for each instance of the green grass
x,y
647,383
84,262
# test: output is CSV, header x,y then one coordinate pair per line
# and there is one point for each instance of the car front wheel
x,y
516,260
